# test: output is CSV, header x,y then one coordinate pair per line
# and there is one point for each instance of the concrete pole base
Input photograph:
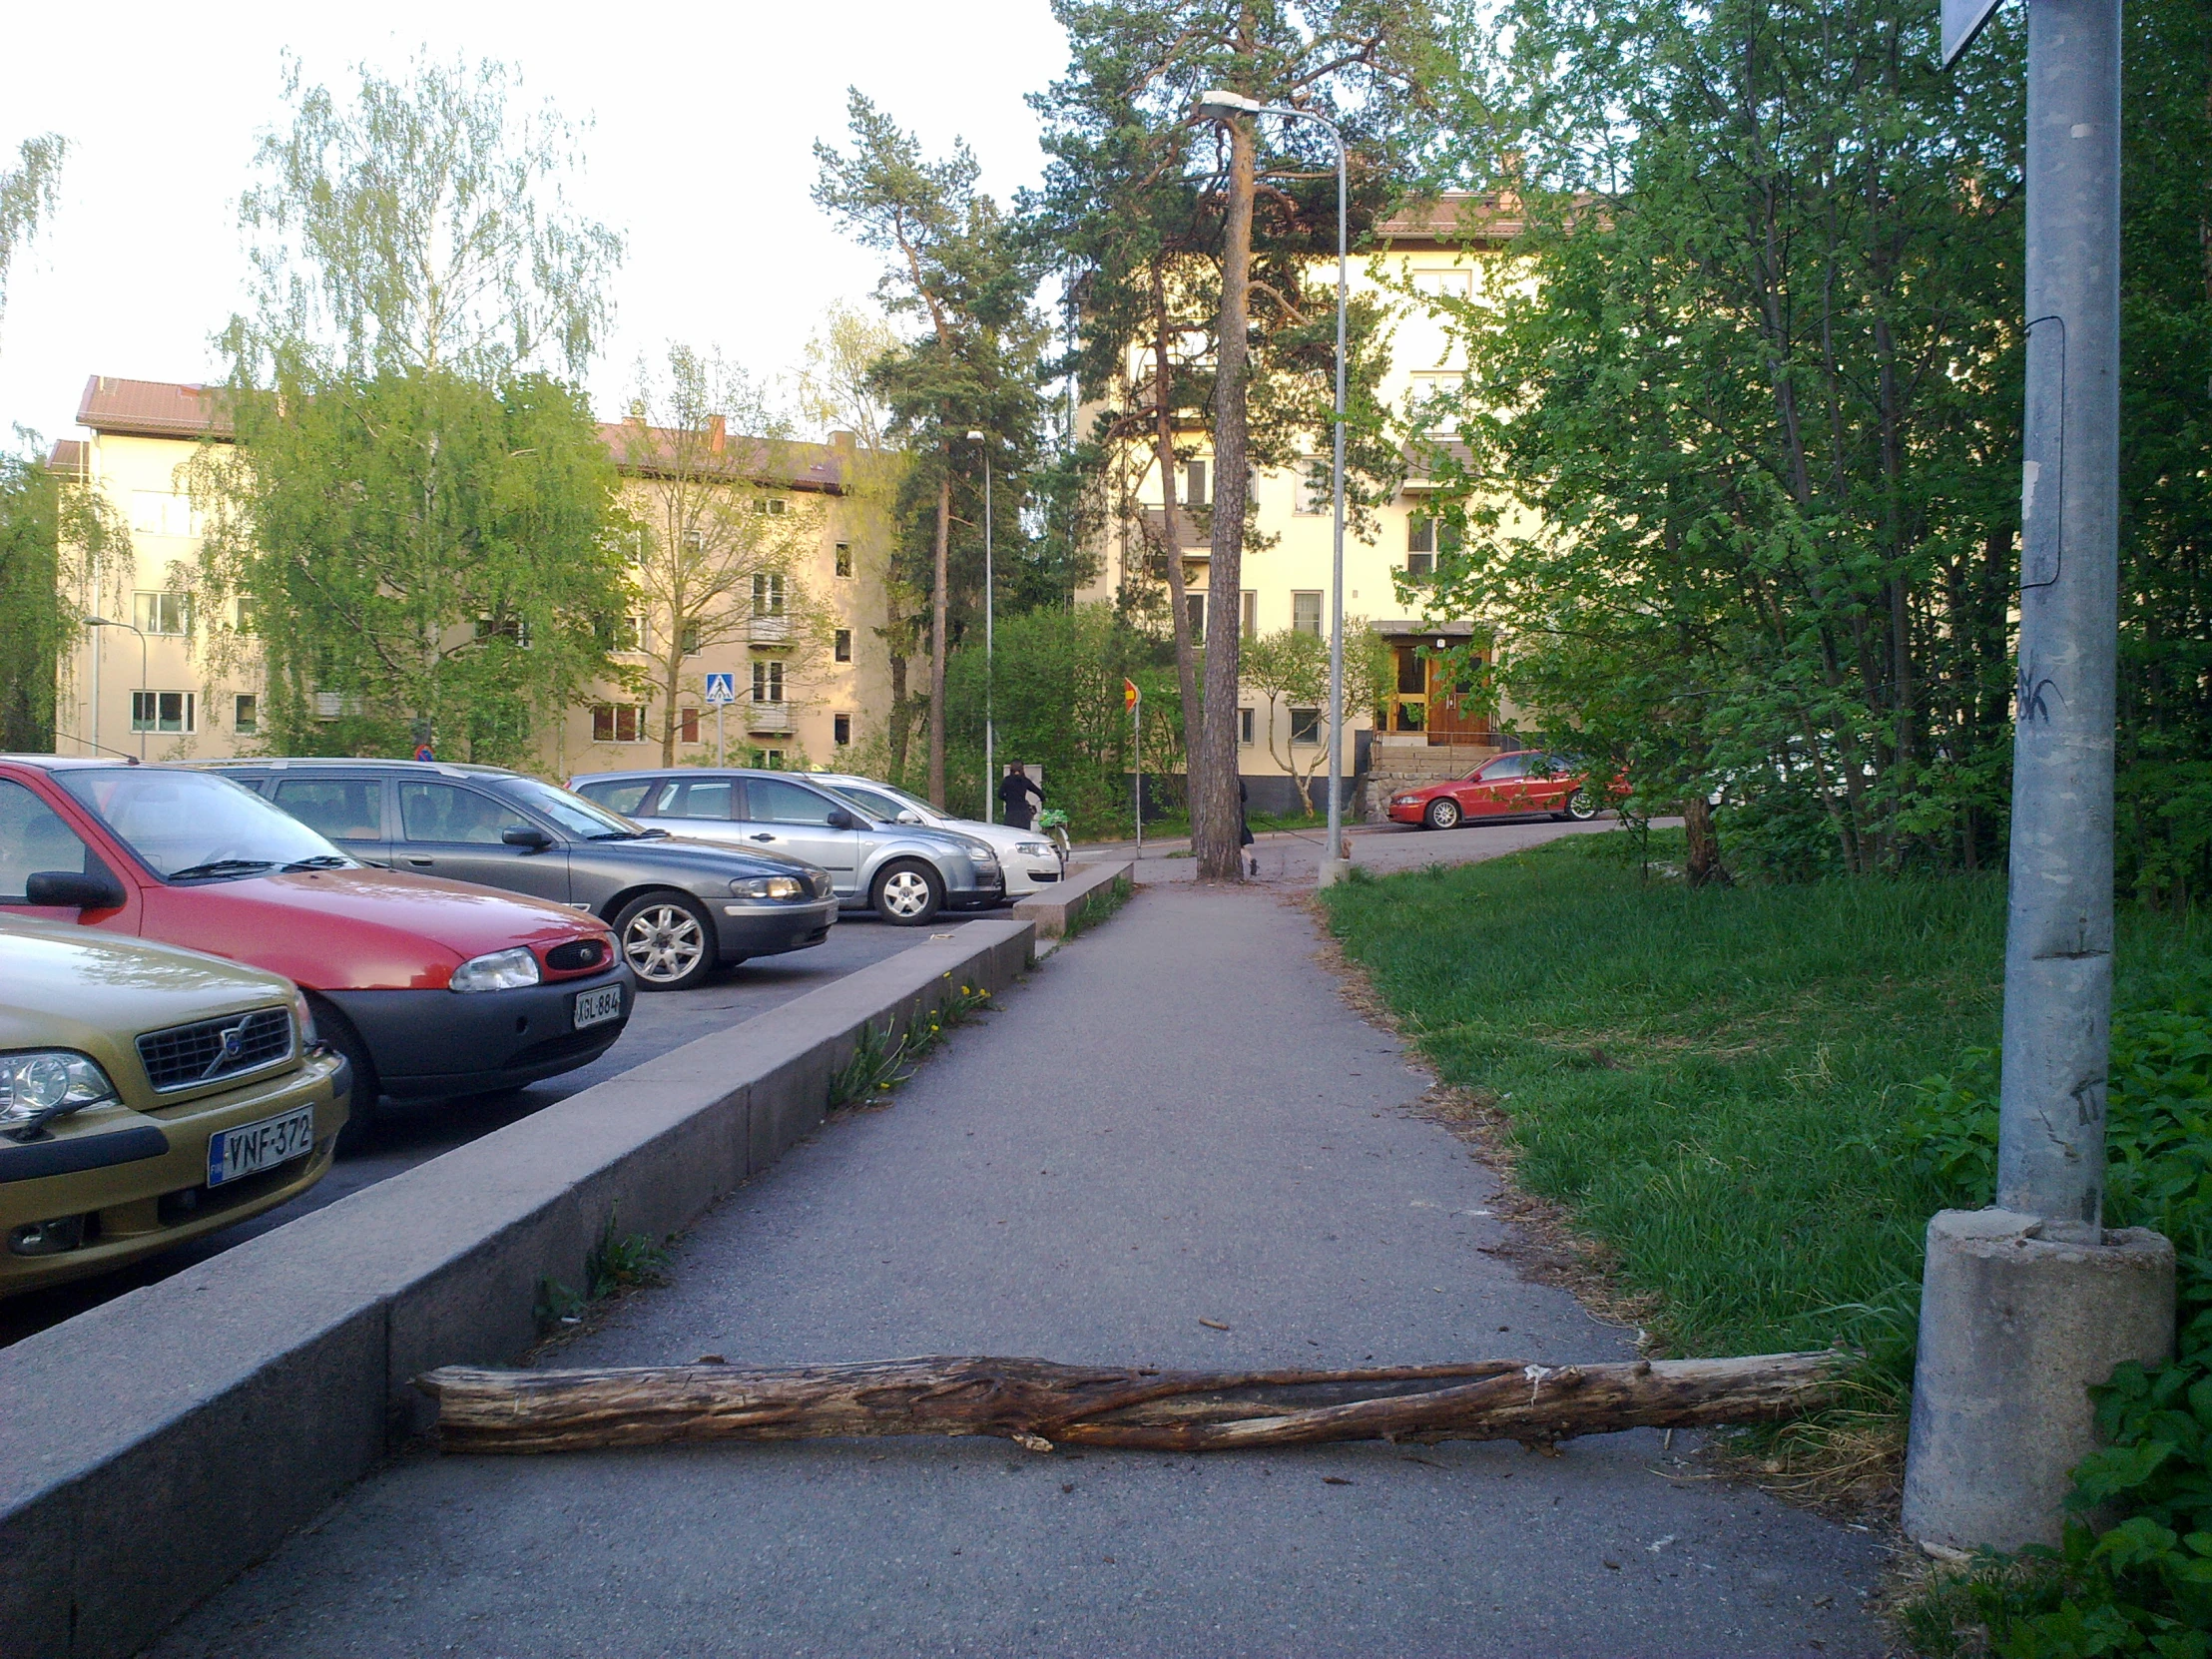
x,y
1331,871
2015,1330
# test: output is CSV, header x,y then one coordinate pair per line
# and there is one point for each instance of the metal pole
x,y
143,688
721,753
2058,932
95,638
990,734
1331,865
1136,744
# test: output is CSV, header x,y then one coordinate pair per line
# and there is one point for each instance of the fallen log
x,y
1041,1405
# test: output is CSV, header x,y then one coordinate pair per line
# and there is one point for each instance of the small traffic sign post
x,y
1132,699
721,691
2027,1305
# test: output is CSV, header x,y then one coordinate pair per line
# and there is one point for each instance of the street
x,y
413,1133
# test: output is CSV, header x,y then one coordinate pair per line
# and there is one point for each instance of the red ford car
x,y
432,988
1525,782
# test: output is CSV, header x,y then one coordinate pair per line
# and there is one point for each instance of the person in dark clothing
x,y
1020,797
1243,830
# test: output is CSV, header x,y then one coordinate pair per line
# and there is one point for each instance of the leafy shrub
x,y
2143,1584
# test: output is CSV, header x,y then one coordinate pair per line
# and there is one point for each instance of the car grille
x,y
185,1057
577,953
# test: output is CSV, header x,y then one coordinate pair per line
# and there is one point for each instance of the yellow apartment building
x,y
144,682
1423,733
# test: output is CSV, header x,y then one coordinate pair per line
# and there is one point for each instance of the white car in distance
x,y
1028,859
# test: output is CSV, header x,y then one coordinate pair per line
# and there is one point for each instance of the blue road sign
x,y
721,689
1962,19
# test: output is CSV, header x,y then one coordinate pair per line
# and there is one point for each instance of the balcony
x,y
769,630
769,716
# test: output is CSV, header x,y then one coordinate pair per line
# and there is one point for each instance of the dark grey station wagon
x,y
678,907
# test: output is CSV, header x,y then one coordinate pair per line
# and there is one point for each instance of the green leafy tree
x,y
1291,667
63,550
1740,428
29,193
409,527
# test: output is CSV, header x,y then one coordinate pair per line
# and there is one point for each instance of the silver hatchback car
x,y
905,873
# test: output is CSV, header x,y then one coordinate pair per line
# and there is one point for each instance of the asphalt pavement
x,y
414,1133
1177,1120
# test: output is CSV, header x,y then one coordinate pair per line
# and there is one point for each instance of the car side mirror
x,y
839,819
910,816
526,836
71,889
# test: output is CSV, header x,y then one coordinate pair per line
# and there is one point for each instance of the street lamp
x,y
990,735
1220,104
103,622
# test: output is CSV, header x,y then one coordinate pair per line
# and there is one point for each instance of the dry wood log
x,y
1038,1404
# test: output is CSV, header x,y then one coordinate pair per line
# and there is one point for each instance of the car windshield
x,y
905,802
879,809
580,817
190,826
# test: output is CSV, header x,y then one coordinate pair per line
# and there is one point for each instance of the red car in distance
x,y
432,988
1527,782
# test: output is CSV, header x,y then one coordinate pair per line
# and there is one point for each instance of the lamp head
x,y
1220,104
99,622
976,437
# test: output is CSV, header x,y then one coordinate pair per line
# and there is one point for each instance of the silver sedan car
x,y
905,874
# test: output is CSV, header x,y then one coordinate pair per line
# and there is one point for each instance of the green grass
x,y
1706,1080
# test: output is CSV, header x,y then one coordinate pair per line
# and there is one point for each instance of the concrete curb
x,y
1064,904
153,1447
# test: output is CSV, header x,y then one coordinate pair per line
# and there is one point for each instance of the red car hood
x,y
357,929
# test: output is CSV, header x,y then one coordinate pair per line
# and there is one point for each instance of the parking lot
x,y
413,1134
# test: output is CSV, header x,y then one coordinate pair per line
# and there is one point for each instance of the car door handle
x,y
424,861
764,838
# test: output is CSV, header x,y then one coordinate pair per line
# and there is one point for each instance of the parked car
x,y
902,871
1526,781
1025,858
430,988
148,1095
678,907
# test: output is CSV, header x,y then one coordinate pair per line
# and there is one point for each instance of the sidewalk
x,y
1293,855
1178,1119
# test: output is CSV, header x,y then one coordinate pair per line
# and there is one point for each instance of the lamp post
x,y
1220,104
104,622
990,735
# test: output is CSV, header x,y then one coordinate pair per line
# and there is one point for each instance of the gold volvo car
x,y
148,1095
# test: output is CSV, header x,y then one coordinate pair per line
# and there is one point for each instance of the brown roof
x,y
150,408
1453,218
650,451
68,456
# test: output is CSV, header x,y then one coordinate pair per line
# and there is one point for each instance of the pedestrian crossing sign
x,y
721,689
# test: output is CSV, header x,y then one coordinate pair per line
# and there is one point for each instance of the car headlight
x,y
1407,801
303,1016
45,1083
502,970
1034,850
769,887
980,852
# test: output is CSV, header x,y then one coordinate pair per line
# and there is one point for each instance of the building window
x,y
841,730
771,506
1244,726
617,722
245,714
691,639
163,514
771,759
1193,484
621,633
1312,490
1425,537
767,594
844,558
695,541
843,645
162,612
767,682
1305,613
1194,607
688,725
241,614
1249,622
1305,725
153,711
505,628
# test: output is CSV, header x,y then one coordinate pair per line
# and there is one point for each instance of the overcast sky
x,y
701,156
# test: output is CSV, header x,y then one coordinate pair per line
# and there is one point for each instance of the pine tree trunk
x,y
937,602
1186,658
1704,864
1038,1404
1213,812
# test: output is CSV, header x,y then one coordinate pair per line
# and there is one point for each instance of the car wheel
x,y
1582,806
667,939
360,1133
907,894
1442,813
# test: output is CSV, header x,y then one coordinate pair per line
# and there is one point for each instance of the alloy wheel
x,y
905,893
663,943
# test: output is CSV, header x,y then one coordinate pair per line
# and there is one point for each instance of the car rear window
x,y
708,799
619,795
345,808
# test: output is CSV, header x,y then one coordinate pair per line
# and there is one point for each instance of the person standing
x,y
1021,798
